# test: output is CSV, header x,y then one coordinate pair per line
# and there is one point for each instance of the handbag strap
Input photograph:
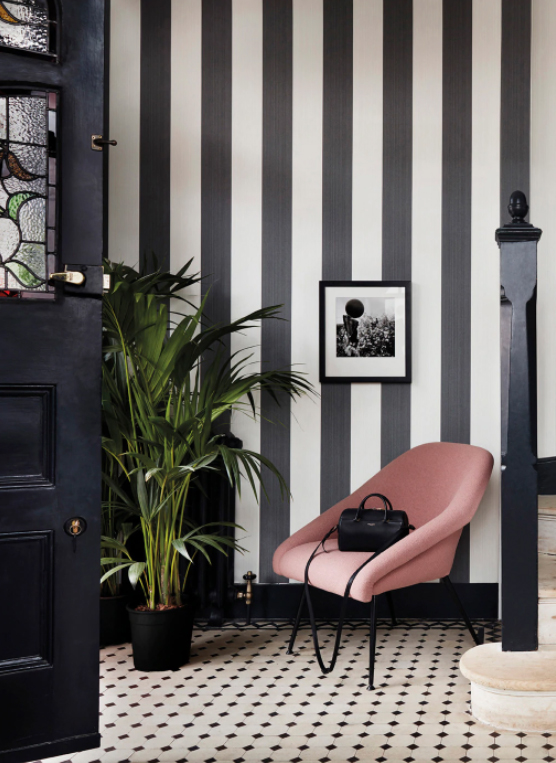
x,y
383,498
345,598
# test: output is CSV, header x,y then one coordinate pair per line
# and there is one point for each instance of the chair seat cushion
x,y
332,569
329,570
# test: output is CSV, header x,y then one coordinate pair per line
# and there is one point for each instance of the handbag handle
x,y
329,668
383,498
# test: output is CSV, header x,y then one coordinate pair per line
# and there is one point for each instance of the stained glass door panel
x,y
27,192
27,25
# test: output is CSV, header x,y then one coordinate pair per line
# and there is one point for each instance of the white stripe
x,y
543,204
247,76
185,171
426,221
485,279
306,254
366,216
125,101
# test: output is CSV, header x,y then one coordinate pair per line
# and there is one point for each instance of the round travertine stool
x,y
512,690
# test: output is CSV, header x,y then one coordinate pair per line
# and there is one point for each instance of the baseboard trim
x,y
426,600
51,749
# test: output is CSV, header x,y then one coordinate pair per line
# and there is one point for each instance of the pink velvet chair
x,y
440,486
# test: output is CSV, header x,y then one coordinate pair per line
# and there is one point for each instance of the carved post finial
x,y
518,229
518,207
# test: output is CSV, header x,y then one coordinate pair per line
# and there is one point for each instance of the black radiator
x,y
213,499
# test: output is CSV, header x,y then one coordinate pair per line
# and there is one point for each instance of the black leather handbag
x,y
370,529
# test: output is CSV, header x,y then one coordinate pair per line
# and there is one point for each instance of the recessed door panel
x,y
26,573
27,712
26,436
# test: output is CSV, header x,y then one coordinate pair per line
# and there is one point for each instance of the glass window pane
x,y
27,193
25,25
28,12
27,121
32,218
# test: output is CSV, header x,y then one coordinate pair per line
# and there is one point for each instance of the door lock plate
x,y
75,526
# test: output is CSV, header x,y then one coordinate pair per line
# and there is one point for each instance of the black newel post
x,y
518,275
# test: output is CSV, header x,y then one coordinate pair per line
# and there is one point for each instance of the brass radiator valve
x,y
247,595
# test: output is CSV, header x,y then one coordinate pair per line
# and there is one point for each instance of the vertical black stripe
x,y
154,193
396,194
515,118
456,237
216,158
276,264
337,153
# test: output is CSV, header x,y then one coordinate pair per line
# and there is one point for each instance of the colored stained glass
x,y
27,192
25,25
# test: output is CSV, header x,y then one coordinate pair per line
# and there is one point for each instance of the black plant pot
x,y
161,640
114,620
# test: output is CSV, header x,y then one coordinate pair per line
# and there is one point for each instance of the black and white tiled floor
x,y
241,699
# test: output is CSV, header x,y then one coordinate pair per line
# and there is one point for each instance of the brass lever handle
x,y
97,142
75,277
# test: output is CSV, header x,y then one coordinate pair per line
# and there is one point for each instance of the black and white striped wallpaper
x,y
281,142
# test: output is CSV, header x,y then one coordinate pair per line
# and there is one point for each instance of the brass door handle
x,y
75,277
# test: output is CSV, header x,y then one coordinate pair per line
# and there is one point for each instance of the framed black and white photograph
x,y
365,331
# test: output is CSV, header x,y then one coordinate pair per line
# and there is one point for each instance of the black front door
x,y
51,219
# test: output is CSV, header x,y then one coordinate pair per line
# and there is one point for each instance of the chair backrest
x,y
425,480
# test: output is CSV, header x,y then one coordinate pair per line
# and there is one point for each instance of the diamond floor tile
x,y
241,698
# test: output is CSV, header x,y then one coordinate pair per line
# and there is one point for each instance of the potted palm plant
x,y
165,411
117,523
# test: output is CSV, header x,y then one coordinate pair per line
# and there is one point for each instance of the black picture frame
x,y
336,368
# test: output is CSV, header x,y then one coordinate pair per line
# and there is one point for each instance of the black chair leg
x,y
390,600
297,621
372,645
477,636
